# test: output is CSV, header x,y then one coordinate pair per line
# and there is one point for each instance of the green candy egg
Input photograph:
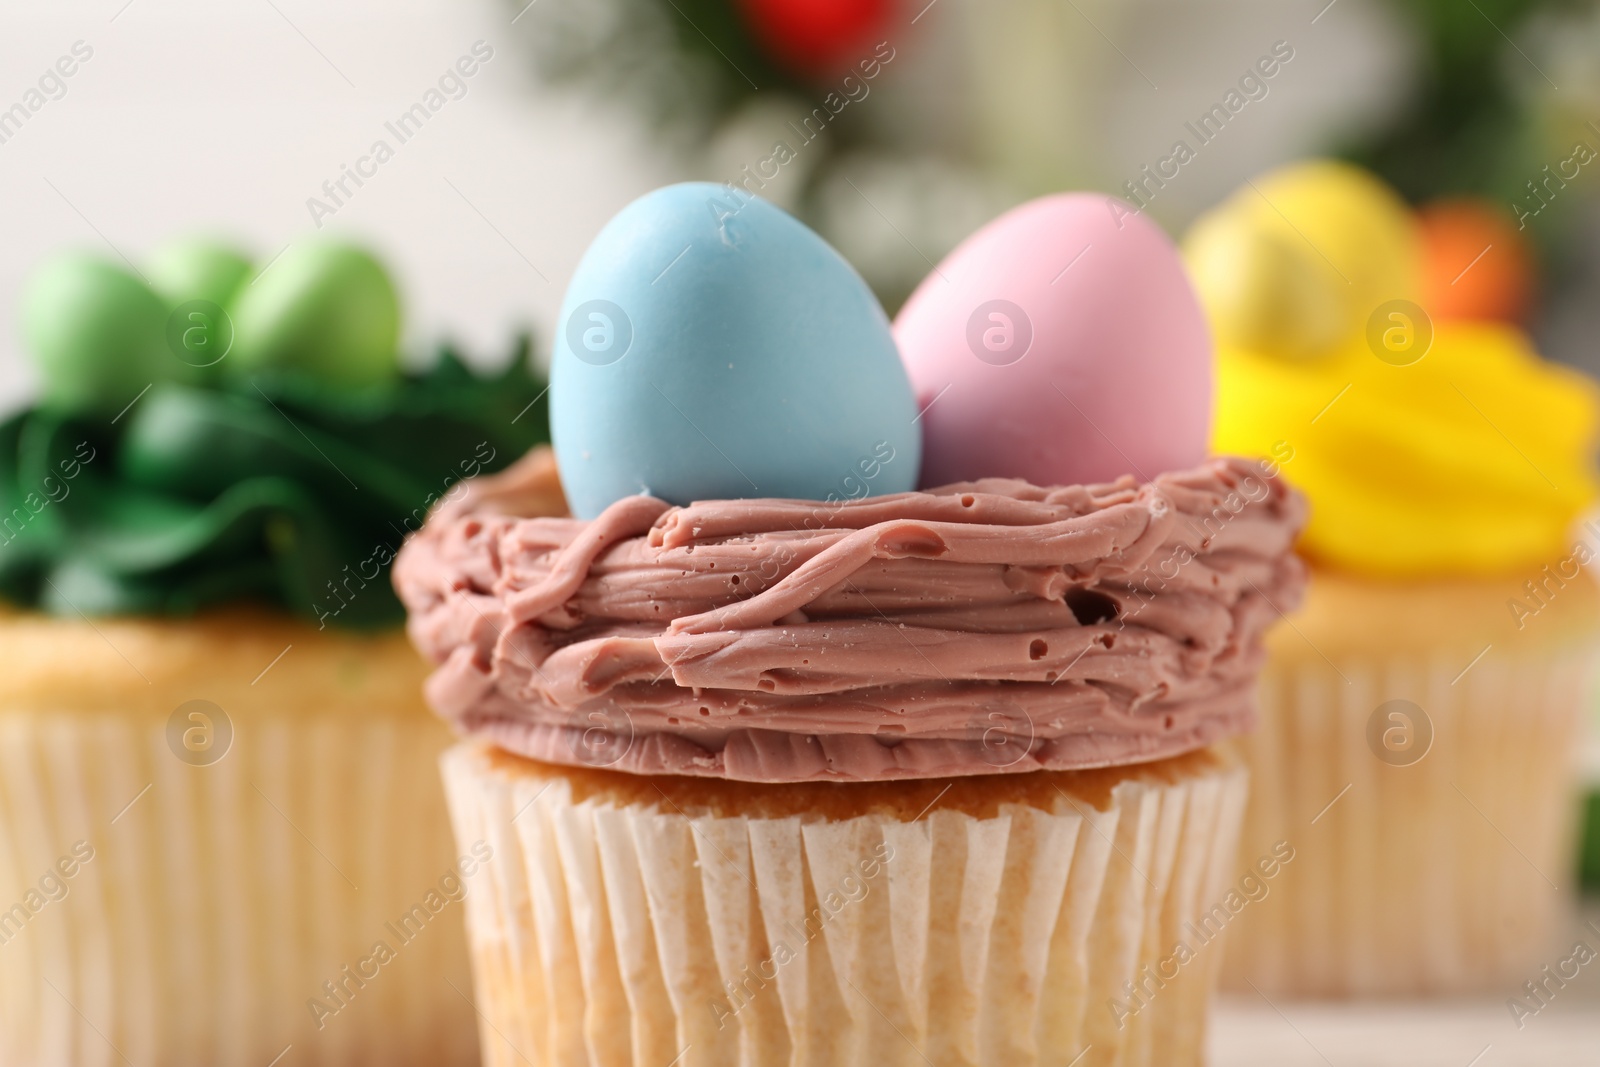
x,y
325,309
97,332
198,268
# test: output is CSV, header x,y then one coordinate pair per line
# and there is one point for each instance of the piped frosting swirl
x,y
982,627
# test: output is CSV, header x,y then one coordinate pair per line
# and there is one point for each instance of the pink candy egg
x,y
1062,343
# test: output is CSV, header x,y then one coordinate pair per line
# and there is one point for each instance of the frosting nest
x,y
982,627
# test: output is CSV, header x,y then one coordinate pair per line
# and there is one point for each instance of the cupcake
x,y
1421,714
788,761
220,837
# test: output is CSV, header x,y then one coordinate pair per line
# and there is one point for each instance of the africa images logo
x,y
999,332
599,332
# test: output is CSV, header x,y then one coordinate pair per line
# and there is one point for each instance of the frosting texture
x,y
281,490
1476,460
982,627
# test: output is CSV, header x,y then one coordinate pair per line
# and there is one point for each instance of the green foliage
x,y
676,65
1470,128
1589,857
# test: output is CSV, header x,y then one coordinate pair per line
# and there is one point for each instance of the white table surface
x,y
1479,1032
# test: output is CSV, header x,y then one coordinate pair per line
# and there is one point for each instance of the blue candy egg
x,y
712,347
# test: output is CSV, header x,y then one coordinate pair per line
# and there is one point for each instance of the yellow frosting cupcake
x,y
1473,460
1419,714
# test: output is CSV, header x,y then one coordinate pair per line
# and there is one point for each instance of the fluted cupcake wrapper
x,y
1447,872
623,931
207,906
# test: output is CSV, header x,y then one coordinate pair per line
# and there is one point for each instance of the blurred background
x,y
231,118
894,127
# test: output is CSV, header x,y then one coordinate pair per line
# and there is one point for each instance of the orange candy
x,y
1477,265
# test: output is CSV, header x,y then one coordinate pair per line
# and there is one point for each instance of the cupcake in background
x,y
792,763
217,806
1479,266
1421,714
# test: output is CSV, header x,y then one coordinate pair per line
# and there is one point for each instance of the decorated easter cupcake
x,y
788,762
1420,715
218,833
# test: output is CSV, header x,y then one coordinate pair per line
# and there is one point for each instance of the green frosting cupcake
x,y
292,481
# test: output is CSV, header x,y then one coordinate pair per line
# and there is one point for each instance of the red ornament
x,y
818,38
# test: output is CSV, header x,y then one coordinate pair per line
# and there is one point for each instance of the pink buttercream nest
x,y
982,627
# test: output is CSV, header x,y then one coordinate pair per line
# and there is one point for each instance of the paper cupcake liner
x,y
736,925
1439,874
206,906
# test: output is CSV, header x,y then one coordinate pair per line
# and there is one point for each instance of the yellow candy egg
x,y
1295,263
